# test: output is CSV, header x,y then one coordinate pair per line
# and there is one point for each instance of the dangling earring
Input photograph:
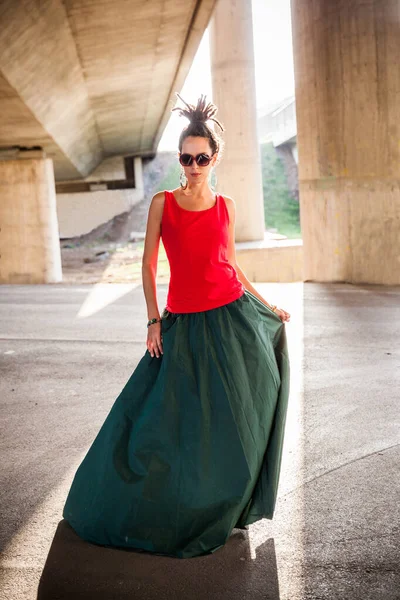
x,y
213,183
183,179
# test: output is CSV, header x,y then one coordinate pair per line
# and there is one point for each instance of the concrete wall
x,y
281,262
80,213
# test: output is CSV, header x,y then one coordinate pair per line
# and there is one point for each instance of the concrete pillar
x,y
138,169
29,240
348,132
233,84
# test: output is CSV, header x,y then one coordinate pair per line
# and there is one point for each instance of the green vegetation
x,y
281,210
171,179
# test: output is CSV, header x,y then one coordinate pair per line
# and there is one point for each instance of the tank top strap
x,y
170,203
167,195
222,208
170,206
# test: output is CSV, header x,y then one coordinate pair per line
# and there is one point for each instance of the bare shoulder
x,y
229,201
159,197
156,210
157,202
231,206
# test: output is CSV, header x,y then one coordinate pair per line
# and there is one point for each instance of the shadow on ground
x,y
80,570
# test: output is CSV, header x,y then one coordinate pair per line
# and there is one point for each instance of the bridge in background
x,y
86,89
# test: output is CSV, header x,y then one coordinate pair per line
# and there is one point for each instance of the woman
x,y
192,446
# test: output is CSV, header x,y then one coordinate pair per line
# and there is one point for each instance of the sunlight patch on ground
x,y
290,297
29,547
103,294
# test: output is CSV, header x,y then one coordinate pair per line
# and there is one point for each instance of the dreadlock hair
x,y
198,117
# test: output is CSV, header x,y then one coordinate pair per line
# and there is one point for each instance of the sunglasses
x,y
202,159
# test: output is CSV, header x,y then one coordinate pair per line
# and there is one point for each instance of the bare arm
x,y
150,254
230,203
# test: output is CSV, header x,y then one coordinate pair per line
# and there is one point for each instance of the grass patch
x,y
281,210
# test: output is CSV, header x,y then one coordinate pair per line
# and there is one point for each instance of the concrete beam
x,y
93,80
199,21
40,63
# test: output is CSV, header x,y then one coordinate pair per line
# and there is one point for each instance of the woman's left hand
x,y
282,314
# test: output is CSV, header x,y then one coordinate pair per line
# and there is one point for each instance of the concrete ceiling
x,y
89,79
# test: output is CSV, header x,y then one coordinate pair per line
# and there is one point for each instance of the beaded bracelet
x,y
154,320
273,307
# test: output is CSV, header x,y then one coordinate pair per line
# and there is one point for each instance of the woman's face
x,y
197,145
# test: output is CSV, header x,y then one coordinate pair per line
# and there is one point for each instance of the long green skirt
x,y
192,446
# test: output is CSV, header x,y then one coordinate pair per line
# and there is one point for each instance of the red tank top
x,y
196,244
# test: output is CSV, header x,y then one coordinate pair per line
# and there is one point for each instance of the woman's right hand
x,y
154,339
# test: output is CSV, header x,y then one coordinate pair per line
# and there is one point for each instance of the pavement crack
x,y
354,460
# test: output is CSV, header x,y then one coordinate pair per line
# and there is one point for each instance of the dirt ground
x,y
117,263
111,253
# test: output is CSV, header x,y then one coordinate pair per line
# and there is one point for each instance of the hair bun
x,y
202,112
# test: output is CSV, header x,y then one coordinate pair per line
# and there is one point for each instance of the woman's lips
x,y
195,174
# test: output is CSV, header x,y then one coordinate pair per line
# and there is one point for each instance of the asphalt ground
x,y
66,352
